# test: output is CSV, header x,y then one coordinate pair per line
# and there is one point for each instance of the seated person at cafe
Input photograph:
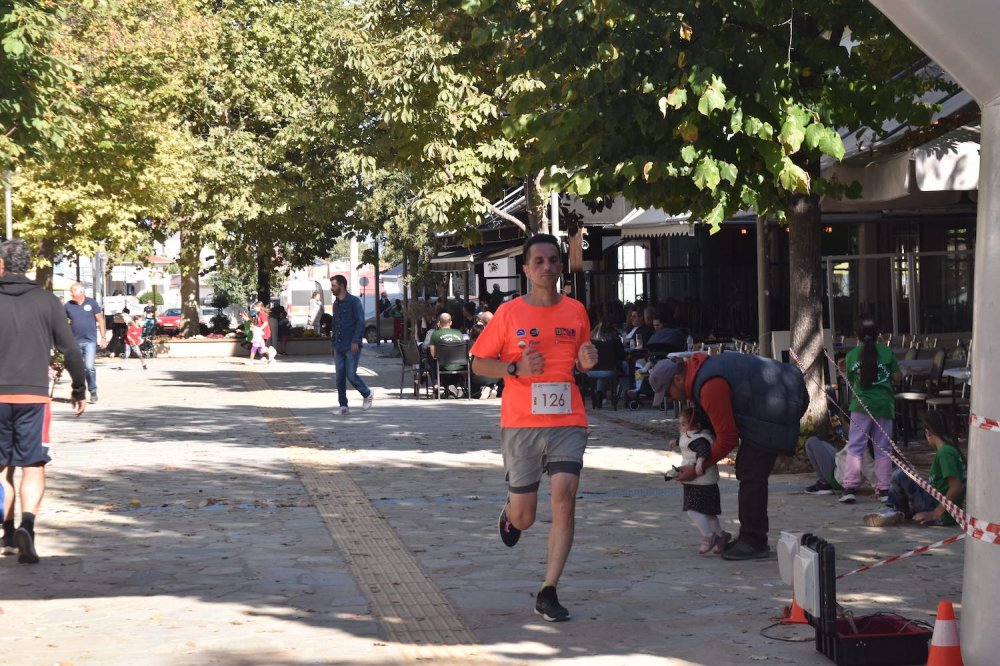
x,y
480,382
444,334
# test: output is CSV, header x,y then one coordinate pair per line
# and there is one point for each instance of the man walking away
x,y
534,342
348,327
33,321
87,322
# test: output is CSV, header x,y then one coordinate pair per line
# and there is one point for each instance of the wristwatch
x,y
512,369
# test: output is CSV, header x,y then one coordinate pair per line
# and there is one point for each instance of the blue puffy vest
x,y
769,398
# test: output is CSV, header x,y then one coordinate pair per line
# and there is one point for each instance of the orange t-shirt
x,y
556,332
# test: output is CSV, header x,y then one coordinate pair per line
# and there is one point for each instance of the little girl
x,y
133,338
256,342
701,495
871,370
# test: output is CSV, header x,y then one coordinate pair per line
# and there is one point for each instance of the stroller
x,y
146,346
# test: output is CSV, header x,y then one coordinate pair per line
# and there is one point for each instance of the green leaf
x,y
831,144
706,174
688,153
793,178
812,136
715,217
476,6
752,125
736,121
676,98
13,46
791,135
711,100
728,172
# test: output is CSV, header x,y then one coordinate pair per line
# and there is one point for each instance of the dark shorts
x,y
21,428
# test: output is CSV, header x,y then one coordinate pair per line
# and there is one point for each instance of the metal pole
x,y
911,269
8,204
894,280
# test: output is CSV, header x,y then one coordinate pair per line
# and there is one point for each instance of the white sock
x,y
703,522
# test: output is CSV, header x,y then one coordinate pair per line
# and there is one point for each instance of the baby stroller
x,y
146,341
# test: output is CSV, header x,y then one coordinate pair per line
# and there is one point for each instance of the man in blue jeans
x,y
87,322
348,327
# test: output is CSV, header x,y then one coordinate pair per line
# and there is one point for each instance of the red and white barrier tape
x,y
909,553
983,423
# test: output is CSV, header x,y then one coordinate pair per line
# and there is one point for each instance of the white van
x,y
295,299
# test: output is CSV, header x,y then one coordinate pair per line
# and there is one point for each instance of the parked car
x,y
385,329
170,320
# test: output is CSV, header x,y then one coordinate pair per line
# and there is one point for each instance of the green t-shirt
x,y
447,335
880,397
948,462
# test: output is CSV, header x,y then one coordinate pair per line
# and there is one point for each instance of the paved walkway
x,y
211,512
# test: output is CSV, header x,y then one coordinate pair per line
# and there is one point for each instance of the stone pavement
x,y
211,512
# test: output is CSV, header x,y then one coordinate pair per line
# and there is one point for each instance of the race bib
x,y
551,398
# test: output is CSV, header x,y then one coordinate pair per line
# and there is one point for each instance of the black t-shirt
x,y
150,311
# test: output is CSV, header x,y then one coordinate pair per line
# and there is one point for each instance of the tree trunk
x,y
190,263
763,287
806,320
263,275
536,204
46,252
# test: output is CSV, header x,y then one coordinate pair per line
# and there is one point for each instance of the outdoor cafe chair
x,y
412,363
455,354
914,395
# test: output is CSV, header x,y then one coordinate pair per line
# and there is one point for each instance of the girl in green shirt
x,y
908,500
871,370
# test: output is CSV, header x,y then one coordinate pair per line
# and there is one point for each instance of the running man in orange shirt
x,y
534,342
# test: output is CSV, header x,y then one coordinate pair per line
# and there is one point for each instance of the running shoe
x,y
508,533
547,605
884,518
847,497
344,411
367,403
25,541
819,488
883,495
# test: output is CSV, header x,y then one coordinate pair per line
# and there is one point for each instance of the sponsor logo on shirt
x,y
520,332
535,332
565,332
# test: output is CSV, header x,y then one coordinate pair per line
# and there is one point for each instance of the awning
x,y
936,173
463,259
653,222
451,261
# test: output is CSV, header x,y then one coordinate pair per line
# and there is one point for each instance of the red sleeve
x,y
717,401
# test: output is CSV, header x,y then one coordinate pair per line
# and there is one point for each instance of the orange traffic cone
x,y
794,614
945,649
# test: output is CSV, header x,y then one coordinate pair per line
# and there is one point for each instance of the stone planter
x,y
315,346
199,348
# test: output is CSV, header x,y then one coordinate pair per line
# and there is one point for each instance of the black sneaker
x,y
819,488
508,533
882,495
741,550
547,605
7,546
847,497
25,546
